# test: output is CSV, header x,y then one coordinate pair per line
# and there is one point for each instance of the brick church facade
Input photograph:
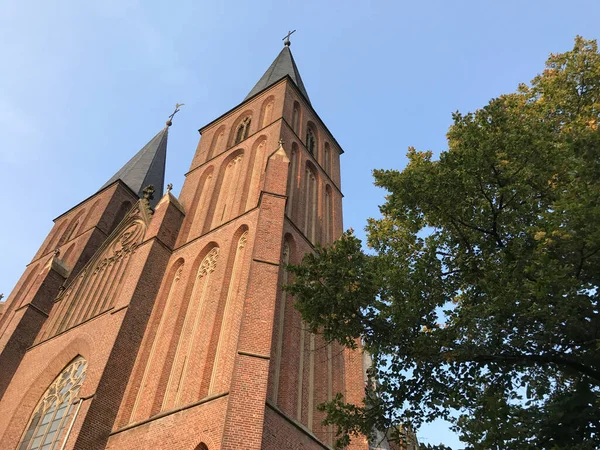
x,y
150,321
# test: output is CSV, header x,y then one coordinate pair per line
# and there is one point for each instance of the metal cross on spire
x,y
286,39
170,119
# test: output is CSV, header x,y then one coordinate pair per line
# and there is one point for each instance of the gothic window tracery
x,y
54,412
225,342
242,130
95,289
155,356
190,337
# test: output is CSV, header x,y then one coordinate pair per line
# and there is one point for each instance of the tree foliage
x,y
478,298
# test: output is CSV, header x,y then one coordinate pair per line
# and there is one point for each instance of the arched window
x,y
310,204
189,338
163,333
242,130
296,118
292,180
90,215
311,141
328,215
93,290
65,255
70,231
223,362
267,112
281,323
327,158
202,446
54,412
216,145
231,186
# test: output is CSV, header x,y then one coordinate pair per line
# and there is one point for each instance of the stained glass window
x,y
54,412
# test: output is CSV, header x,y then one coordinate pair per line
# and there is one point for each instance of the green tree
x,y
478,298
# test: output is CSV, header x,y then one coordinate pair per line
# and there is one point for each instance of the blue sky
x,y
84,85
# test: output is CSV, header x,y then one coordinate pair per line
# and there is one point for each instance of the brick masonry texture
x,y
200,347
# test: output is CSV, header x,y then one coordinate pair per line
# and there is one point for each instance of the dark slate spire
x,y
146,167
283,65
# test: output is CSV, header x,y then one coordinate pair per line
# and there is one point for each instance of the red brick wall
x,y
223,336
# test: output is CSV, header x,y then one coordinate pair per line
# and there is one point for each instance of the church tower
x,y
155,322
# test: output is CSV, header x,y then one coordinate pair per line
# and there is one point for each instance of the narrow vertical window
x,y
161,335
229,191
292,182
190,333
328,213
296,118
311,141
281,323
327,159
242,130
267,112
221,373
54,412
215,147
310,204
70,231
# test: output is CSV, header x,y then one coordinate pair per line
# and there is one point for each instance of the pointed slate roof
x,y
146,167
283,65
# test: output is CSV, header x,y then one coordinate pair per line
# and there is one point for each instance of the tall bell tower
x,y
214,357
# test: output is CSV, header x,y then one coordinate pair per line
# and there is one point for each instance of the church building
x,y
146,321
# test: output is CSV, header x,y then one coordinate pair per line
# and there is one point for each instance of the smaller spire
x,y
170,119
286,39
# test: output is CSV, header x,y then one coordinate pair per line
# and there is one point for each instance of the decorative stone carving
x,y
209,263
243,240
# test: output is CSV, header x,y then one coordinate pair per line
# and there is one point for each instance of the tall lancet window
x,y
154,358
328,213
296,118
292,180
267,112
231,312
55,411
310,204
184,371
311,141
230,190
281,323
242,130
